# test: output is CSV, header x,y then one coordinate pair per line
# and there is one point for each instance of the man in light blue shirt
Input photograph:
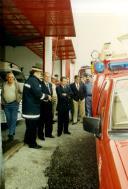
x,y
88,97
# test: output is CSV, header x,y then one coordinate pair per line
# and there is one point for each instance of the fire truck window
x,y
120,105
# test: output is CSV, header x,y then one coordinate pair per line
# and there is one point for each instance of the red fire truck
x,y
110,123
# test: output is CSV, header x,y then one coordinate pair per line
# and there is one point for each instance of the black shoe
x,y
49,136
25,142
68,133
10,138
41,138
35,146
59,134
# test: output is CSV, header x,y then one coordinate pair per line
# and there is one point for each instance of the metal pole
x,y
43,54
2,180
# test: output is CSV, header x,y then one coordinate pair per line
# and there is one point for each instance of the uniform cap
x,y
37,67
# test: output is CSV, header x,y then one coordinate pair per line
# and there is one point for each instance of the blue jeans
x,y
11,112
88,104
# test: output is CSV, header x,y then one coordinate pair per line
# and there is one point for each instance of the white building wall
x,y
48,55
63,68
57,68
23,57
72,72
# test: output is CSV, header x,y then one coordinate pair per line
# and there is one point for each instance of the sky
x,y
97,22
116,6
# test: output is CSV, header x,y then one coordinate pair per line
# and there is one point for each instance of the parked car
x,y
17,71
110,125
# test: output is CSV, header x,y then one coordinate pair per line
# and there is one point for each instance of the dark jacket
x,y
32,96
63,102
46,90
78,94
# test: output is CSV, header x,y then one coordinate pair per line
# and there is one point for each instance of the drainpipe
x,y
61,68
43,55
2,57
2,180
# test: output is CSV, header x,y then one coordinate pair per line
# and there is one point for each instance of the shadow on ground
x,y
8,145
73,165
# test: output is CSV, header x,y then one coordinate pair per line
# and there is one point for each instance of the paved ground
x,y
62,162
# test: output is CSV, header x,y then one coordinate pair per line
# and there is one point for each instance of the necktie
x,y
47,84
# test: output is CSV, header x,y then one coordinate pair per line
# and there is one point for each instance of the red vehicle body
x,y
110,125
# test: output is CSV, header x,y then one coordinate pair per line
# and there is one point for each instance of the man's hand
x,y
49,98
64,94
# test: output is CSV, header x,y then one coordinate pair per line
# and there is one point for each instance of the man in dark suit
x,y
78,95
63,106
46,116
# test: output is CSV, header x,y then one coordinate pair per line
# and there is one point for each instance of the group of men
x,y
40,100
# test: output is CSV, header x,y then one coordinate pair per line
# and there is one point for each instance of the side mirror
x,y
92,125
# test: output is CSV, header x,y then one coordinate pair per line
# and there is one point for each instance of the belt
x,y
11,102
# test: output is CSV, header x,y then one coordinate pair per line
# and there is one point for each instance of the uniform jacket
x,y
78,94
32,96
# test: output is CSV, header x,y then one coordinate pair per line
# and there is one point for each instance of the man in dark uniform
x,y
63,106
32,96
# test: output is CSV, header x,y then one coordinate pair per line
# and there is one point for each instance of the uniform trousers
x,y
31,132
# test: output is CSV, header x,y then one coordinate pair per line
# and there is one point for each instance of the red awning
x,y
26,22
36,47
23,21
63,49
15,26
49,17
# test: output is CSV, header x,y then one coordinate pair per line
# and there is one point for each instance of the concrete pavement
x,y
25,169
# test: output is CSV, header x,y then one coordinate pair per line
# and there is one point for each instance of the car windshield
x,y
120,105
